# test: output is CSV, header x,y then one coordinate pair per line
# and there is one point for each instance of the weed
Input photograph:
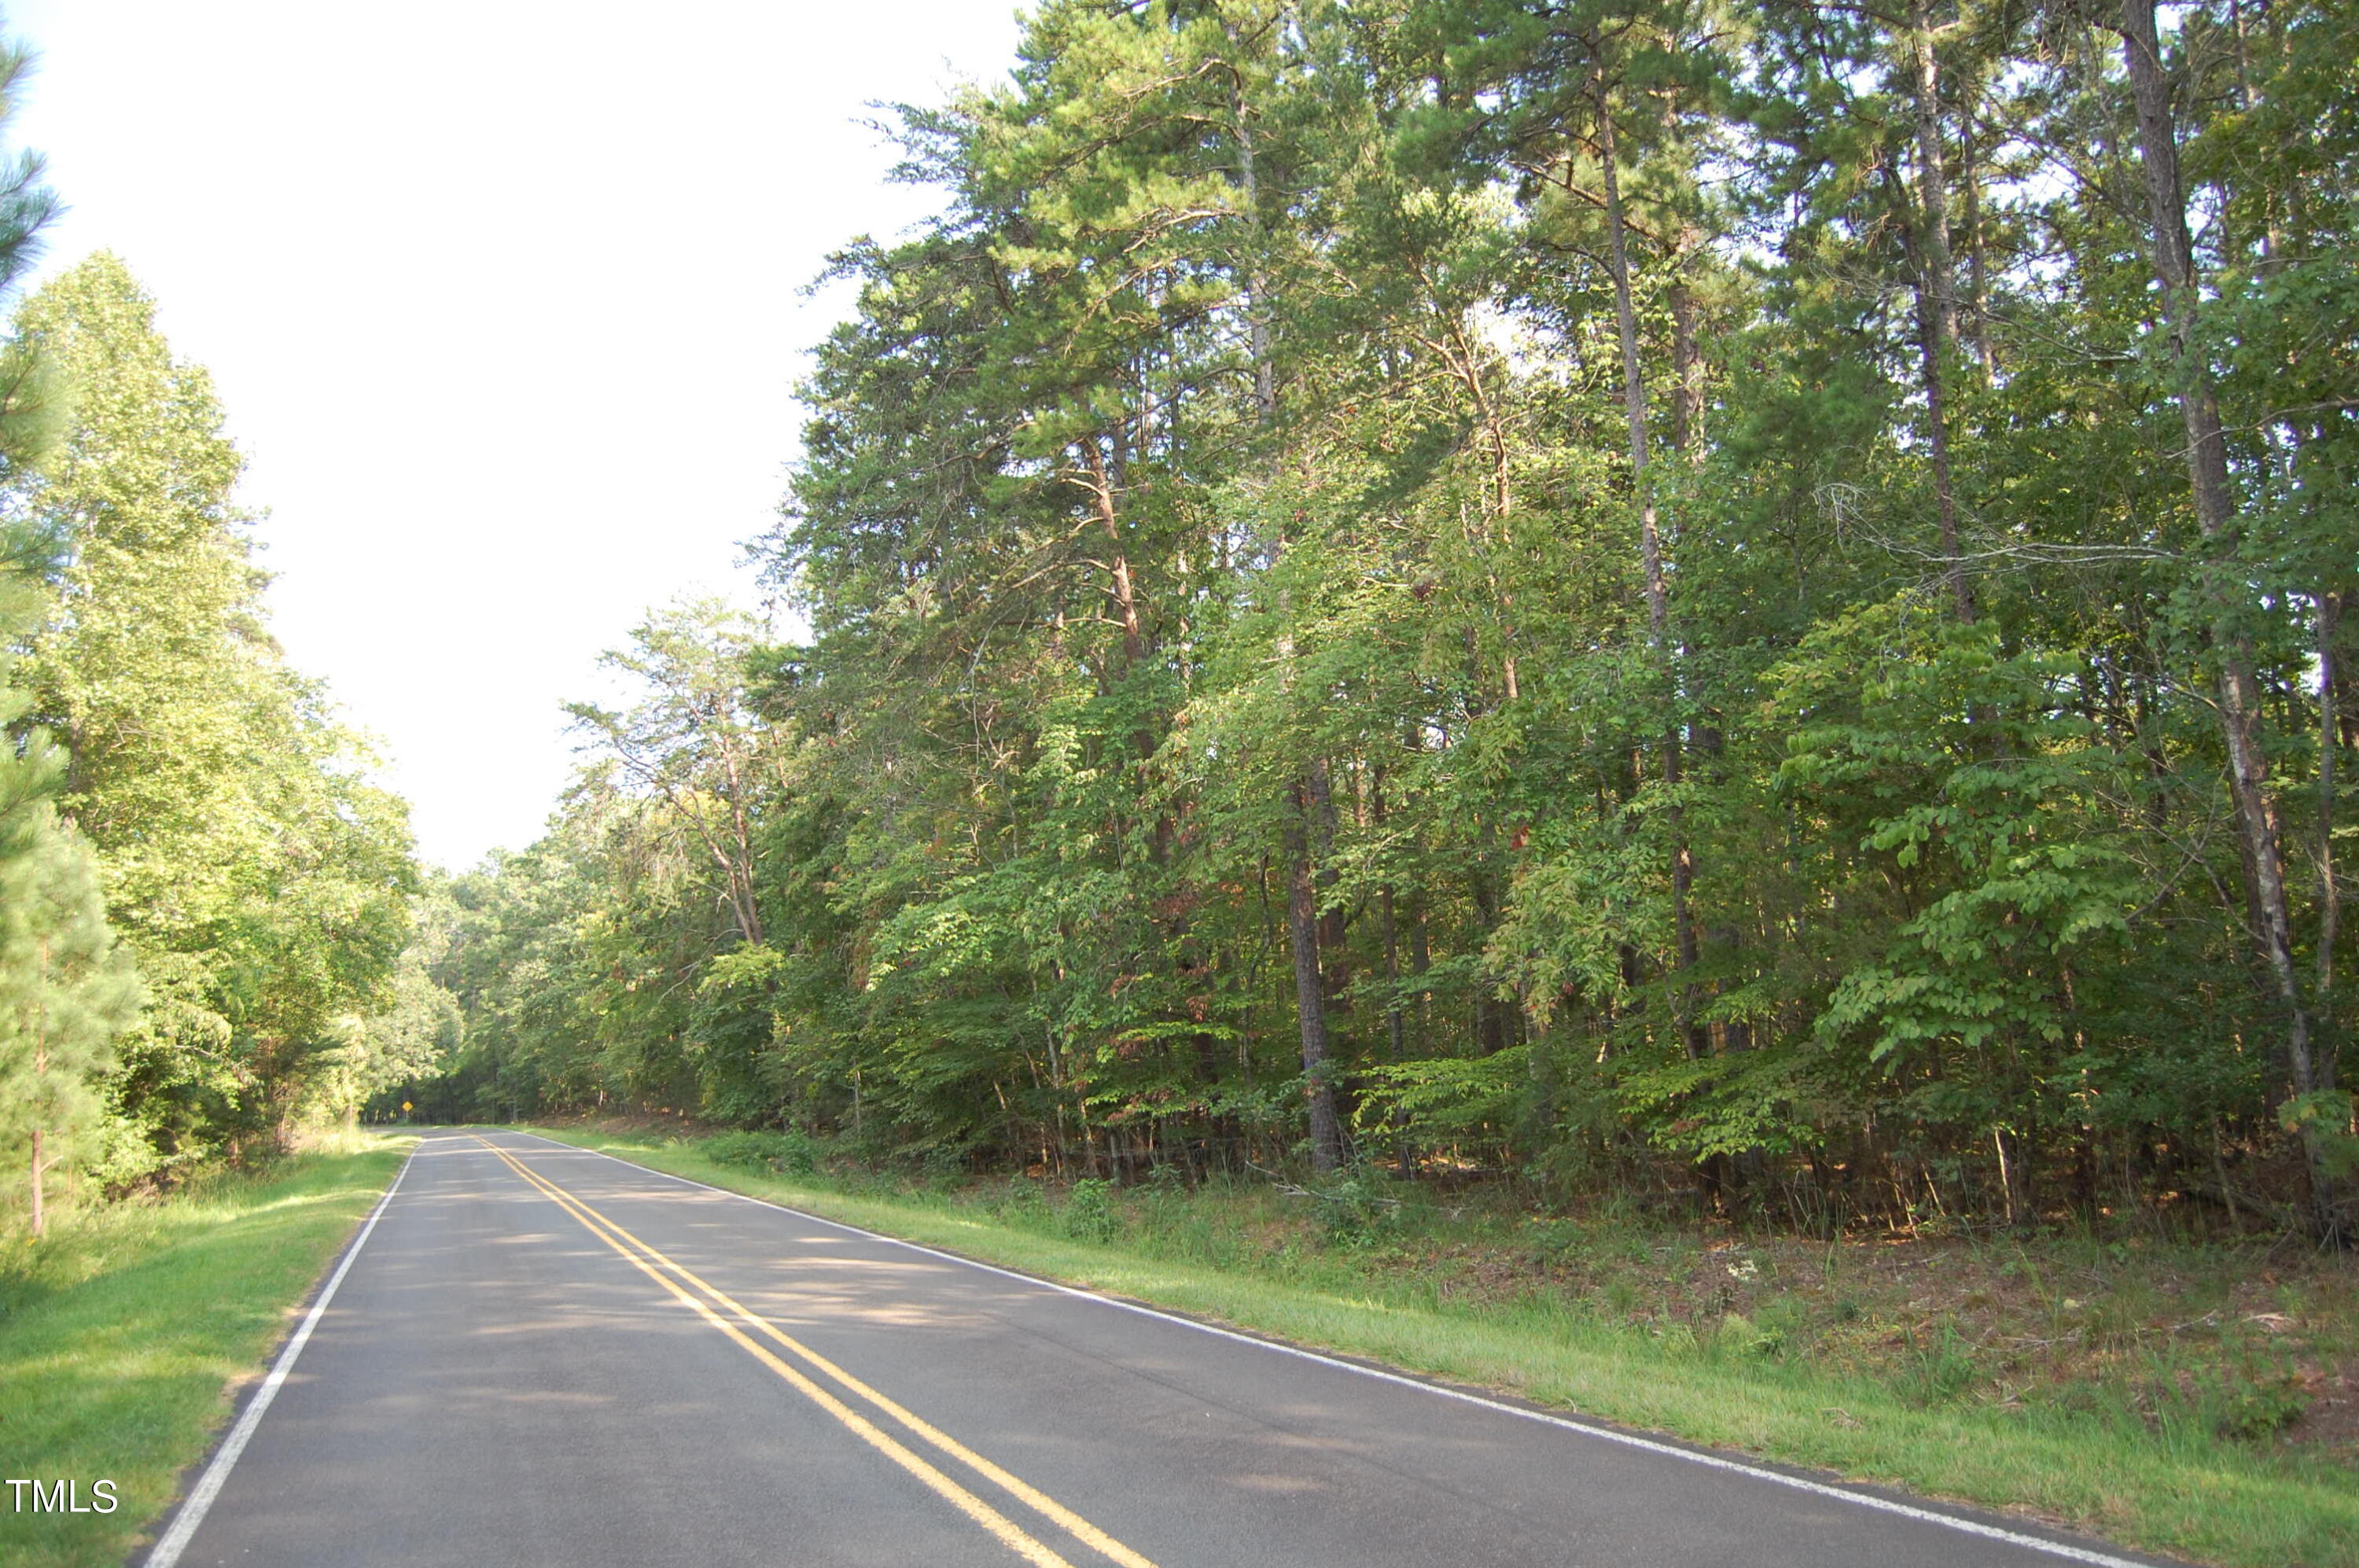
x,y
2249,1411
1089,1210
1024,1203
1740,1335
1939,1371
1354,1211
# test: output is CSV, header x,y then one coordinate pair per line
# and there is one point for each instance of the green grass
x,y
2167,1482
124,1336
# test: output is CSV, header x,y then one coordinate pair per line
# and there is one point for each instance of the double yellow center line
x,y
702,1298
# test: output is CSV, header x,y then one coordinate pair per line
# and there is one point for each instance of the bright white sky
x,y
503,300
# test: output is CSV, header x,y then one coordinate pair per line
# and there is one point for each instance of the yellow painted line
x,y
1009,1532
1081,1529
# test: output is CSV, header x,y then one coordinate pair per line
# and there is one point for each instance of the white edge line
x,y
200,1496
1604,1433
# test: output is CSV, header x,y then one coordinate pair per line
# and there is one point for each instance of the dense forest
x,y
1741,603
204,903
1736,603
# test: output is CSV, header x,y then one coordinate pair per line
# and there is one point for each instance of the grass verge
x,y
2159,1483
126,1335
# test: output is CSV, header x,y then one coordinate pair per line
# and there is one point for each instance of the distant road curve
x,y
536,1354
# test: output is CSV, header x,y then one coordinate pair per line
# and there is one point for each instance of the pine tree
x,y
29,403
66,988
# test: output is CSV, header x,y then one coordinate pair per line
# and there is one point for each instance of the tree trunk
x,y
1309,792
1931,357
1650,546
1977,251
1395,1018
1334,923
1687,364
40,1071
1634,386
1932,177
1126,597
1395,1024
2329,893
1256,281
1936,292
743,899
1494,1022
2207,467
1310,989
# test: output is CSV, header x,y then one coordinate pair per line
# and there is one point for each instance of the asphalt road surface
x,y
534,1354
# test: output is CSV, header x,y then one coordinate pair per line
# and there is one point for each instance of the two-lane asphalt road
x,y
536,1354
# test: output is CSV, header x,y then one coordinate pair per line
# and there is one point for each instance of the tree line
x,y
204,903
1722,599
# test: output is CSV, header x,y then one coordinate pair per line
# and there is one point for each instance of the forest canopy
x,y
1735,601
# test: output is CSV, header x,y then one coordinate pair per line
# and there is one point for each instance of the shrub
x,y
1089,1210
787,1153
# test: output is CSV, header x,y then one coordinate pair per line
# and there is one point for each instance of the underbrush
x,y
2196,1399
2257,1345
780,1153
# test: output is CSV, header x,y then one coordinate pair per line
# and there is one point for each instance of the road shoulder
x,y
127,1349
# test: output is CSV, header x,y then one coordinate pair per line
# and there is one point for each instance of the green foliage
x,y
2330,1116
2251,1411
1354,1208
67,989
238,847
1088,1214
32,394
786,1153
1724,711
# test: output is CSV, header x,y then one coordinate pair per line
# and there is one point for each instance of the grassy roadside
x,y
2171,1486
122,1335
